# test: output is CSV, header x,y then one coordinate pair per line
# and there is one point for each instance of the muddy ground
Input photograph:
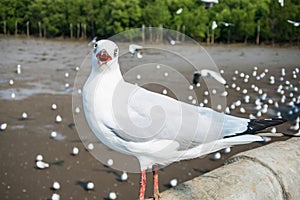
x,y
42,82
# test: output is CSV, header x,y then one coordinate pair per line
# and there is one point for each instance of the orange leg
x,y
142,185
155,182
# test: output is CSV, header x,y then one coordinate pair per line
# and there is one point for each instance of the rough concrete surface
x,y
268,172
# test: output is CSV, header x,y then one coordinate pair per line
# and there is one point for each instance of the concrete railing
x,y
268,172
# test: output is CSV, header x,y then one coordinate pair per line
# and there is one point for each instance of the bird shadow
x,y
27,119
82,184
58,163
75,141
201,171
167,185
109,171
71,126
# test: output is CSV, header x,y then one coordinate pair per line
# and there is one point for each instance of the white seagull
x,y
293,22
296,126
94,40
155,128
136,49
208,73
227,24
133,48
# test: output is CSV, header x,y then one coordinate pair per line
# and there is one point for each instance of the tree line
x,y
236,20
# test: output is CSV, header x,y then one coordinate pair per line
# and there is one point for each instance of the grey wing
x,y
144,116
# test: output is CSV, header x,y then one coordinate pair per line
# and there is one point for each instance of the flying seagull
x,y
136,49
227,24
293,22
155,128
93,41
208,73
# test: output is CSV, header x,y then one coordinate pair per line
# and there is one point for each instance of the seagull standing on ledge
x,y
155,128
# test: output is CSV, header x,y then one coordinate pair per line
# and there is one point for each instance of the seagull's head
x,y
105,52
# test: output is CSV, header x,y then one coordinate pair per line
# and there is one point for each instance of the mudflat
x,y
48,71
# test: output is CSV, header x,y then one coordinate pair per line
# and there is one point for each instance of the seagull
x,y
3,126
281,2
173,182
179,11
18,71
75,151
294,23
58,119
55,185
208,73
158,130
296,126
112,196
124,176
94,40
90,185
135,49
227,24
171,40
42,165
55,196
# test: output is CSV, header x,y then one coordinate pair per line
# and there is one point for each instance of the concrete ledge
x,y
268,172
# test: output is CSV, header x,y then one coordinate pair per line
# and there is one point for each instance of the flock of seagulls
x,y
286,87
40,162
287,94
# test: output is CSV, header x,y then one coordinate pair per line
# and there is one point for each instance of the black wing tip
x,y
259,124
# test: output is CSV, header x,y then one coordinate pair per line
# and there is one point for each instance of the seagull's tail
x,y
259,124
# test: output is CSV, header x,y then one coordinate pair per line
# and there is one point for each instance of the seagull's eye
x,y
95,45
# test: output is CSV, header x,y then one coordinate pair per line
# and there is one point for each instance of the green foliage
x,y
105,18
155,13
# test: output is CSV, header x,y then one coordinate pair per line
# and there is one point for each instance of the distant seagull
x,y
136,50
11,82
55,185
208,73
53,134
179,11
297,134
214,25
296,126
3,126
112,196
24,116
125,117
209,3
55,196
53,106
124,176
39,157
42,165
75,151
227,24
90,185
18,71
58,119
173,182
281,2
94,40
171,40
217,156
90,147
293,22
133,48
